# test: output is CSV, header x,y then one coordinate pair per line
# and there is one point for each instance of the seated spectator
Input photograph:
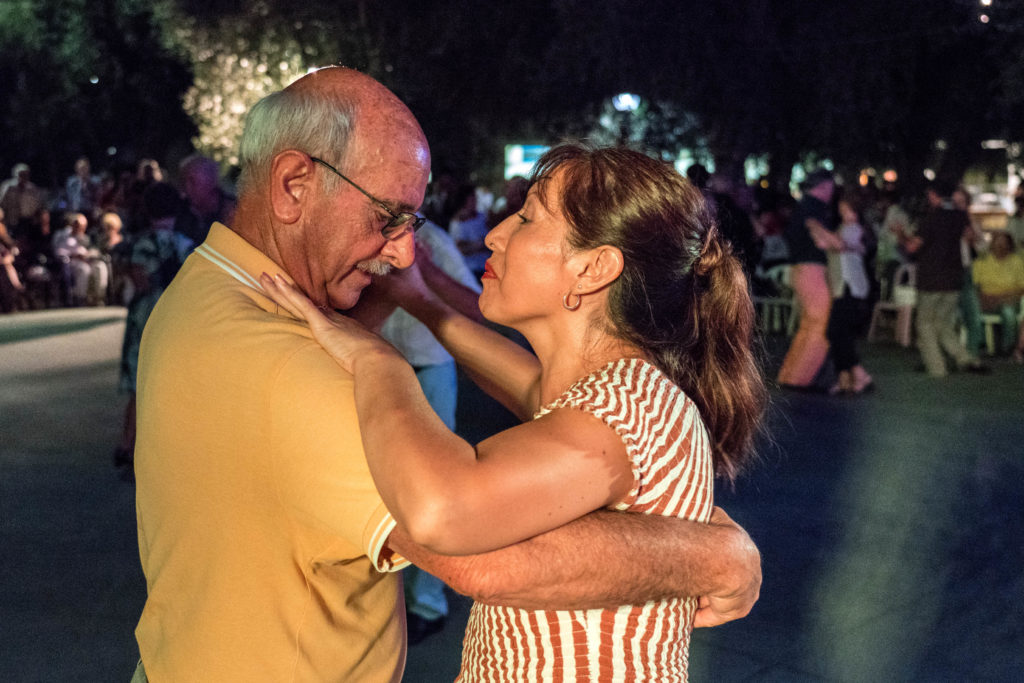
x,y
39,271
82,188
116,251
147,172
999,277
84,271
10,283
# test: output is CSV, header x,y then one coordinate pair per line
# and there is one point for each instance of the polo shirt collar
x,y
230,252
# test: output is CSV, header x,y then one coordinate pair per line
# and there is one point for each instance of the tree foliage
x,y
87,77
866,83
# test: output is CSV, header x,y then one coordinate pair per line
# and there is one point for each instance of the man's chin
x,y
344,298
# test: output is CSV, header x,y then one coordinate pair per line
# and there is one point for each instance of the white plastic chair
x,y
897,309
778,313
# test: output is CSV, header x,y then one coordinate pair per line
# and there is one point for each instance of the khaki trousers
x,y
936,331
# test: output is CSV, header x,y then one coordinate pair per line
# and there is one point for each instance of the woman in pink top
x,y
640,389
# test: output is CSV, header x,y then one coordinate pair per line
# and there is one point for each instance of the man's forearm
x,y
605,559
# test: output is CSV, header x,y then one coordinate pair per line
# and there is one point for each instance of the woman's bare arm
x,y
451,497
503,369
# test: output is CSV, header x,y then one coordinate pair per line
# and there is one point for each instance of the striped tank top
x,y
670,454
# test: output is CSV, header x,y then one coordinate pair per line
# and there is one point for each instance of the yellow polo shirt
x,y
260,530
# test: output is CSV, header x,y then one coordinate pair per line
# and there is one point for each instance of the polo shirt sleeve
x,y
317,454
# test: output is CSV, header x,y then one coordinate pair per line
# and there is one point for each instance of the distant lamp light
x,y
994,144
983,18
764,183
986,3
111,151
94,79
890,176
929,174
864,179
626,102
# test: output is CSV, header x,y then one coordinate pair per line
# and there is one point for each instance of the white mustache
x,y
374,267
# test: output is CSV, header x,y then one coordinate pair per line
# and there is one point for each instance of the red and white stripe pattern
x,y
669,450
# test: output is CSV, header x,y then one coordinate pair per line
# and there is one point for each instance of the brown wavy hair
x,y
682,296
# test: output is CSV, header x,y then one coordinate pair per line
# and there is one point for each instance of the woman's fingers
x,y
291,299
278,295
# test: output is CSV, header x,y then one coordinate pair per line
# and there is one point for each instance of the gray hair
x,y
288,119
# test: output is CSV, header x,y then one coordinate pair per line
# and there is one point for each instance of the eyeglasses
x,y
399,223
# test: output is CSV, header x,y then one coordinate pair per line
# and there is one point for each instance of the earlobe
x,y
291,175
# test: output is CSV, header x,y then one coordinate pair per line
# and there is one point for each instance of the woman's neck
x,y
574,354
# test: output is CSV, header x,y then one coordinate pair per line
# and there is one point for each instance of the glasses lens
x,y
402,223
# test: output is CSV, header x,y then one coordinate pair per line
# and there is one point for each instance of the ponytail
x,y
682,296
721,373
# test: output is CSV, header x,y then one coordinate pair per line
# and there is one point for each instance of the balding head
x,y
323,114
326,232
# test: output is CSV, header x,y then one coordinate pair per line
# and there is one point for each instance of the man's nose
x,y
400,251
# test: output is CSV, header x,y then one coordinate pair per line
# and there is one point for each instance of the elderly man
x,y
809,234
267,552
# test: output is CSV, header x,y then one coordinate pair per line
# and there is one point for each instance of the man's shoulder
x,y
206,314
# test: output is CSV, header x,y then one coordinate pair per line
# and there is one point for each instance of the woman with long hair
x,y
642,386
851,305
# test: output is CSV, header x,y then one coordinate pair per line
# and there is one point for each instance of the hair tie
x,y
702,265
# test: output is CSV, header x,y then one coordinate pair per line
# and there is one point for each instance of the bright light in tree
x,y
626,102
227,83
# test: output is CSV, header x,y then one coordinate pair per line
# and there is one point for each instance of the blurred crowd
x,y
72,245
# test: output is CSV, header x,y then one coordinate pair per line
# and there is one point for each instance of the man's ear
x,y
291,179
600,267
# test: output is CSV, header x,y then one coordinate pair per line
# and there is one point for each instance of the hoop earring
x,y
573,307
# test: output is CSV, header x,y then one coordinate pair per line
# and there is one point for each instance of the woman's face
x,y
528,272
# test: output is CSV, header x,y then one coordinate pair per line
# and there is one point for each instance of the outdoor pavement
x,y
891,524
